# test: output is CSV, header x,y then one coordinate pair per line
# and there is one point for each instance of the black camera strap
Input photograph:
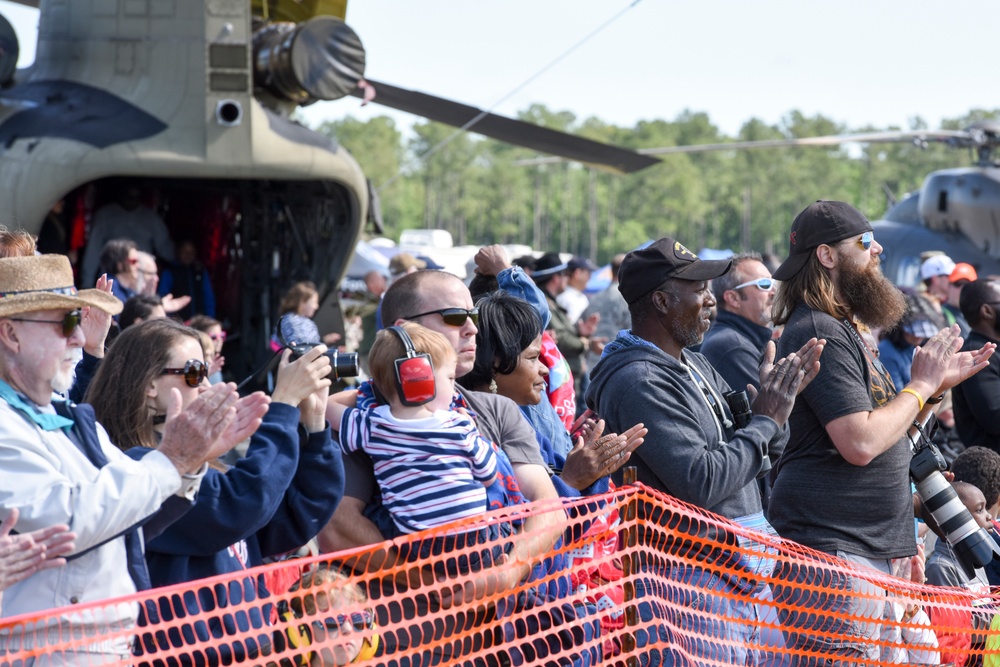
x,y
884,388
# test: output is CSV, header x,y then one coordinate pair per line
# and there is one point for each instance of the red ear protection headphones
x,y
414,373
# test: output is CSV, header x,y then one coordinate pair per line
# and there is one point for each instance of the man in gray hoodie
x,y
696,450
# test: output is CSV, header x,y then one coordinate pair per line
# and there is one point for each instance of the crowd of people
x,y
786,398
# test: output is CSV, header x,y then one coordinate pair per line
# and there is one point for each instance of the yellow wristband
x,y
920,399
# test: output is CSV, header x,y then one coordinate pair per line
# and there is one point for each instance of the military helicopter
x,y
191,102
956,211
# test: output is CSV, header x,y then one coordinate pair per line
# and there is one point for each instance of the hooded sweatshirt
x,y
691,452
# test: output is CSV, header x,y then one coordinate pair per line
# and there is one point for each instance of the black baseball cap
x,y
821,222
547,266
644,270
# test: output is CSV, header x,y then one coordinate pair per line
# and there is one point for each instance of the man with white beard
x,y
60,468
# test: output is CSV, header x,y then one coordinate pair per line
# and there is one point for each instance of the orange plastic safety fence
x,y
632,577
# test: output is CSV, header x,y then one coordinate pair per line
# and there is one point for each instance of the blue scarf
x,y
45,420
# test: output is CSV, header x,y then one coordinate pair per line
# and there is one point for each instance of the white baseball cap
x,y
938,265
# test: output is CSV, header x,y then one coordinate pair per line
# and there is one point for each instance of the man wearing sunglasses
x,y
88,482
441,301
735,343
842,485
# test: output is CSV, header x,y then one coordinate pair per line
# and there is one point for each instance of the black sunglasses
x,y
452,316
194,372
69,322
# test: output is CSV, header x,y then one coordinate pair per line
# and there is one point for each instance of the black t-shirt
x,y
819,499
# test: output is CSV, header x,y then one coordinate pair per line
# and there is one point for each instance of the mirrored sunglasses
x,y
454,317
69,322
763,284
195,372
866,240
356,622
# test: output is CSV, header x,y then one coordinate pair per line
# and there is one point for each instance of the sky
x,y
859,62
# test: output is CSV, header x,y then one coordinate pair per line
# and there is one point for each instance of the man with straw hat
x,y
59,466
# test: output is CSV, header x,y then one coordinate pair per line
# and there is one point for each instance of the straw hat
x,y
45,282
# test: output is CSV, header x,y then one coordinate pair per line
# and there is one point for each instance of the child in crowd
x,y
944,569
327,620
296,325
217,334
431,463
980,467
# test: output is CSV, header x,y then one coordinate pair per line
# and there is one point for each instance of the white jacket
x,y
51,481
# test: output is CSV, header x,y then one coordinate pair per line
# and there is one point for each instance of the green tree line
x,y
743,200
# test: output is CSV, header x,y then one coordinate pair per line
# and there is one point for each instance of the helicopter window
x,y
907,272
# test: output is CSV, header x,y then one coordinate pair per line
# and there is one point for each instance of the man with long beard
x,y
842,484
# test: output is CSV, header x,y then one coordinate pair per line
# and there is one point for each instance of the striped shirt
x,y
430,471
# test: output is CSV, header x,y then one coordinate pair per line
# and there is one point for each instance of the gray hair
x,y
733,277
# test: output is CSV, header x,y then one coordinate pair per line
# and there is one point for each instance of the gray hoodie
x,y
688,453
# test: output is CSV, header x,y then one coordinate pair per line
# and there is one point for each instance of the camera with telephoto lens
x,y
739,405
344,364
972,545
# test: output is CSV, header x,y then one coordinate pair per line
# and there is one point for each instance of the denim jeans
x,y
839,623
687,616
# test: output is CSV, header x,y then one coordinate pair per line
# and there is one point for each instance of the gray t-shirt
x,y
818,498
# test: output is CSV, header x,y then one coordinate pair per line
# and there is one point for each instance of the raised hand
x,y
781,385
303,377
26,553
189,434
491,260
313,409
250,411
595,454
586,327
171,303
96,323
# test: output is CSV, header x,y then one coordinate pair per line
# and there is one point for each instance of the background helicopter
x,y
190,102
956,211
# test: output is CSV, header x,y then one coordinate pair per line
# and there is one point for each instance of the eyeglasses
x,y
763,284
454,317
133,260
195,371
358,622
218,336
69,322
866,240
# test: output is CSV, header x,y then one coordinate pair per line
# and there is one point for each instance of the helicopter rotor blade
x,y
957,137
952,137
509,130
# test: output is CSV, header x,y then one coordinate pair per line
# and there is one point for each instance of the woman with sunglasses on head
x,y
273,500
213,328
119,260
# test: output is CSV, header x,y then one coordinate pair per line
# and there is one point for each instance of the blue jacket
x,y
274,500
734,346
